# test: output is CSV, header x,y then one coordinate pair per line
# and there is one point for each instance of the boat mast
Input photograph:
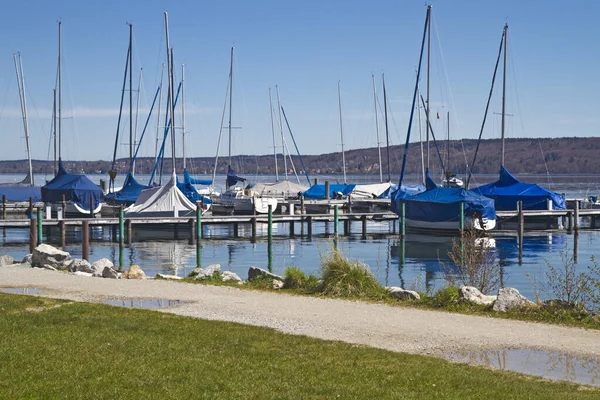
x,y
183,115
504,90
137,113
162,74
170,79
421,135
448,146
130,96
342,131
59,94
285,169
21,86
273,134
54,130
230,99
428,73
387,132
377,129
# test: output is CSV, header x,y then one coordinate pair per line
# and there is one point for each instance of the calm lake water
x,y
381,251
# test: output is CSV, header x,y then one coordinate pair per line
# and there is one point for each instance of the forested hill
x,y
523,156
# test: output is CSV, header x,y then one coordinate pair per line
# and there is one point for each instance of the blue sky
x,y
304,47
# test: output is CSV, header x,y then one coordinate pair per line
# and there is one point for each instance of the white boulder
x,y
46,255
168,277
205,273
6,260
98,266
79,265
510,298
255,272
230,276
472,294
403,294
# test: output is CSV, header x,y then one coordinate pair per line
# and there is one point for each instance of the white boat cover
x,y
370,191
278,189
162,201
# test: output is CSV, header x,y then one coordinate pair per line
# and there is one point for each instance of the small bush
x,y
345,278
446,297
566,285
261,282
294,278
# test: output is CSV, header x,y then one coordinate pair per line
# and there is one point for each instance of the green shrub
x,y
344,278
294,278
261,282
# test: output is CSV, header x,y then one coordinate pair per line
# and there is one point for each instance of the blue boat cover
x,y
77,188
129,193
21,193
439,204
232,178
194,181
188,189
318,191
507,191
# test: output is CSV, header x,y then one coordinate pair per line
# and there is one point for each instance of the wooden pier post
x,y
576,246
121,238
85,240
292,233
40,228
302,211
363,219
309,226
593,222
192,231
576,216
113,228
521,218
253,223
270,238
3,206
335,220
198,234
32,232
63,234
346,227
129,232
570,223
327,196
175,231
64,206
236,232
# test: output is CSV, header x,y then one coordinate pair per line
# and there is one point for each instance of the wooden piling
x,y
3,206
129,232
175,231
327,195
570,218
335,219
64,206
309,226
32,233
593,222
521,218
236,231
85,240
576,216
346,227
192,230
253,223
63,234
363,220
292,233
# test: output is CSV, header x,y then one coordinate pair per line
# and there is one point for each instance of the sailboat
x,y
167,200
82,196
24,190
450,179
439,209
507,191
236,199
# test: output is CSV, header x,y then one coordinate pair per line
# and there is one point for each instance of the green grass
x,y
94,351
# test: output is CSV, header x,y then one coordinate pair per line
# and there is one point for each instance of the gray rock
x,y
277,284
79,265
230,276
6,260
472,294
510,298
403,294
110,273
45,254
168,277
205,273
98,266
134,272
27,259
81,273
255,272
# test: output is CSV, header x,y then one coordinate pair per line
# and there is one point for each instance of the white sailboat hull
x,y
450,226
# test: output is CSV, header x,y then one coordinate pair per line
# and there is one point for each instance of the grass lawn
x,y
55,349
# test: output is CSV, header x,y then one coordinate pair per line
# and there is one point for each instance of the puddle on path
x,y
20,290
546,364
144,303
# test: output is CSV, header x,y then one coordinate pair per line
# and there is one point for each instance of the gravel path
x,y
393,328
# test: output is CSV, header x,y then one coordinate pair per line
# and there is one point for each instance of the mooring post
x,y
309,226
3,206
346,227
363,219
85,240
302,211
114,228
198,234
64,206
129,226
403,221
253,223
121,238
270,238
192,231
521,221
292,233
327,196
39,226
593,222
32,232
335,220
63,234
570,218
236,232
576,246
576,216
462,218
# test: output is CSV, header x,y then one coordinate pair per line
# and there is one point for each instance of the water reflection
x,y
144,303
20,290
546,364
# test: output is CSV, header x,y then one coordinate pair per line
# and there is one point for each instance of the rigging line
x,y
437,148
291,160
221,131
295,145
487,107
